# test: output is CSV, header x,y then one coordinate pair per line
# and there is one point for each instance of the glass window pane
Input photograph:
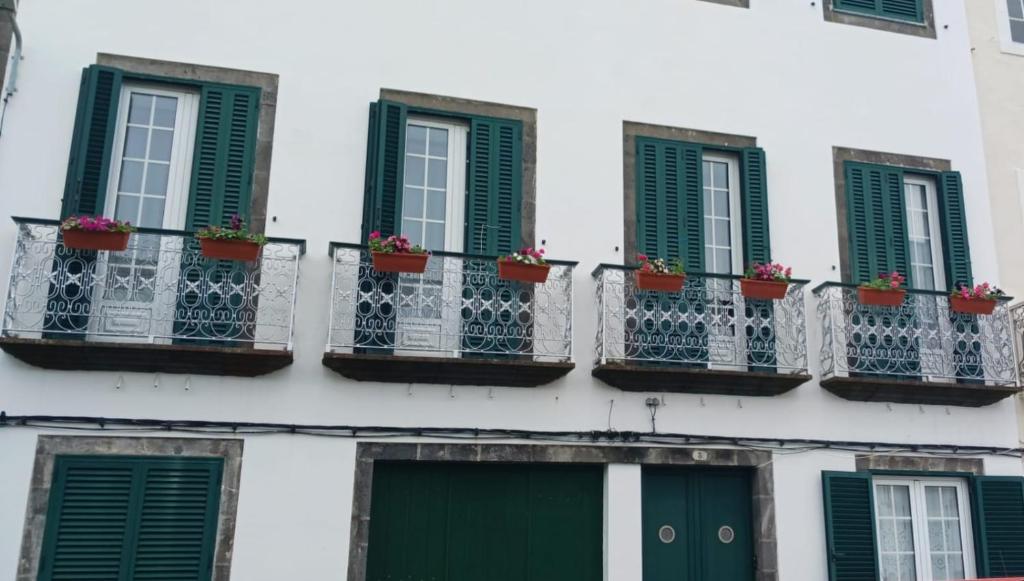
x,y
908,568
949,504
939,572
413,230
416,139
160,145
135,142
131,177
955,567
886,535
152,213
723,237
905,535
890,568
138,111
439,142
709,231
884,494
721,203
437,173
707,201
164,112
156,178
414,171
707,174
412,203
952,528
435,236
901,500
127,208
721,175
435,205
1016,8
723,261
1017,30
936,535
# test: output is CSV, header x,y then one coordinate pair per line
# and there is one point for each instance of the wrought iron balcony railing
x,y
1017,312
457,308
160,290
920,340
709,324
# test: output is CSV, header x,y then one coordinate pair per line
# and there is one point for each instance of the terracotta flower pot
x,y
89,240
972,306
400,262
229,249
880,298
669,283
537,273
763,289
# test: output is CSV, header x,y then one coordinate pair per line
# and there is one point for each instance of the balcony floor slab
x,y
446,370
882,389
696,380
72,355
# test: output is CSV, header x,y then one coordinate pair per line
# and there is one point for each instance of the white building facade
x,y
308,416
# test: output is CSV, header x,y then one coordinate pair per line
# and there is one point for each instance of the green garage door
x,y
478,522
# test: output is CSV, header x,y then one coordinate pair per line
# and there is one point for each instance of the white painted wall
x,y
777,71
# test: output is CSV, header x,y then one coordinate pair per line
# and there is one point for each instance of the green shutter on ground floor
x,y
499,522
131,518
850,526
999,525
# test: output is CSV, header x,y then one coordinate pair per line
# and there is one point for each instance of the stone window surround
x,y
736,3
267,83
840,155
48,447
882,462
528,117
630,131
925,29
760,462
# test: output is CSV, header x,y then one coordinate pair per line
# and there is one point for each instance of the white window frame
x,y
932,201
919,519
1006,42
735,209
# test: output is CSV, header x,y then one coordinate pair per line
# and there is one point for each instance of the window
x,y
1015,13
909,10
723,244
433,202
924,530
923,233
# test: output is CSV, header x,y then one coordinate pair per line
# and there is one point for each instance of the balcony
x,y
705,339
455,324
159,306
920,352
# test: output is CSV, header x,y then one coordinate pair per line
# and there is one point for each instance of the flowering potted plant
x,y
980,300
765,281
396,254
232,243
883,291
659,274
527,265
96,233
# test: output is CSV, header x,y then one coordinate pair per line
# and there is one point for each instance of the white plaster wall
x,y
777,71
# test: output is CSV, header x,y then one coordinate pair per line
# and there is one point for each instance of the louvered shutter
x,y
494,200
850,526
912,10
670,201
224,155
122,518
955,246
385,168
876,221
756,232
999,519
91,142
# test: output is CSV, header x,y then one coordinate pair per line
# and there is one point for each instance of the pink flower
x,y
375,235
641,257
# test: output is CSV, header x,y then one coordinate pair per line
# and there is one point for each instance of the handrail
x,y
914,291
352,246
630,267
301,242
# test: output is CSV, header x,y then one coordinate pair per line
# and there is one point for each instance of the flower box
x,y
409,262
770,290
972,306
880,298
96,240
229,249
669,283
535,273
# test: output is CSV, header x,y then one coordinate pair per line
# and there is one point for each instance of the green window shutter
x,y
876,221
955,246
91,142
224,155
850,526
999,524
385,168
670,201
756,231
494,199
131,518
911,10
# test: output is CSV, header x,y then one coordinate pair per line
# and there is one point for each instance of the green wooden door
x,y
503,522
697,525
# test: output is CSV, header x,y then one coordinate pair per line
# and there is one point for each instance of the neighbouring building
x,y
170,413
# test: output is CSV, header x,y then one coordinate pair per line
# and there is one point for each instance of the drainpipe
x,y
8,10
